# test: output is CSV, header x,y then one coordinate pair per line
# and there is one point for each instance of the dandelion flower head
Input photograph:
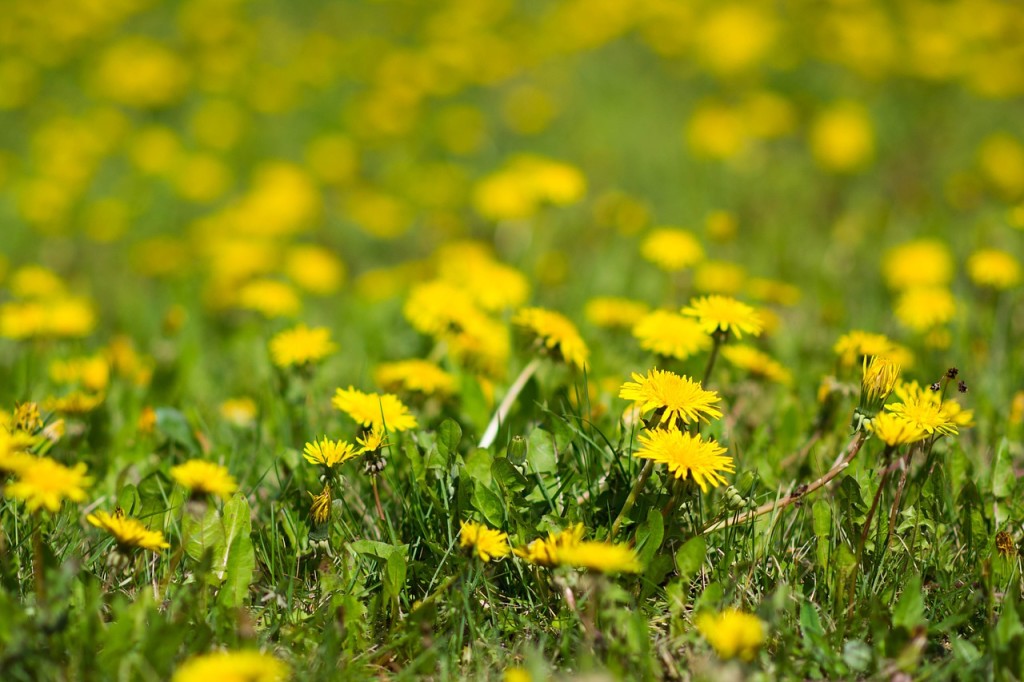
x,y
725,314
301,345
485,542
202,477
676,396
686,455
732,633
375,410
46,483
556,333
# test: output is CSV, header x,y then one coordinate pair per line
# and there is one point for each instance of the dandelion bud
x,y
517,451
878,379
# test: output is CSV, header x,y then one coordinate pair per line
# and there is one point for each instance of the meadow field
x,y
511,340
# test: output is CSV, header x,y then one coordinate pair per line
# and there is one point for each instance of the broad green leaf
x,y
449,435
202,534
394,574
478,465
237,559
540,452
508,477
821,514
379,550
649,536
690,557
909,609
1003,477
490,504
173,426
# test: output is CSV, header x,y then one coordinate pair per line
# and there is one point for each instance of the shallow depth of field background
x,y
201,175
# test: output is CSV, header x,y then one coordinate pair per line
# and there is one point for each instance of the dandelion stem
x,y
38,567
506,403
717,337
800,492
376,497
645,473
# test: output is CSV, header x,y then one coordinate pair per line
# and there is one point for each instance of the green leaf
x,y
379,550
236,560
690,557
449,435
394,574
857,655
508,477
1003,477
478,465
540,454
173,426
821,514
649,536
909,610
490,504
202,534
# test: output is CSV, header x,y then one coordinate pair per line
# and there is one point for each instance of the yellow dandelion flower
x,y
671,335
492,285
556,333
724,314
232,666
417,375
878,379
602,557
672,249
46,483
719,277
544,551
328,452
856,345
270,298
613,311
374,410
128,533
371,441
918,263
76,402
924,308
301,345
439,307
892,429
485,542
240,412
925,413
205,478
994,269
732,633
773,291
842,137
320,509
26,417
686,455
677,397
757,363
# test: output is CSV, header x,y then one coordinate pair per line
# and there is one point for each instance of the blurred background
x,y
307,160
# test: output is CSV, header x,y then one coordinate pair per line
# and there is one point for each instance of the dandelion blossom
x,y
677,397
878,379
232,666
894,430
485,542
46,483
686,455
374,410
757,363
128,533
328,452
732,633
925,414
556,333
924,308
205,478
602,557
672,249
671,335
301,345
421,376
320,509
545,551
994,269
724,314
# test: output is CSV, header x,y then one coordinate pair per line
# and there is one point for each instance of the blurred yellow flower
x,y
735,36
240,412
545,551
301,345
205,478
1001,157
270,298
756,362
924,308
600,557
894,430
672,248
732,633
918,263
232,666
46,483
417,375
314,269
128,533
853,346
994,269
842,137
613,311
719,277
141,72
671,335
380,411
485,542
555,332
